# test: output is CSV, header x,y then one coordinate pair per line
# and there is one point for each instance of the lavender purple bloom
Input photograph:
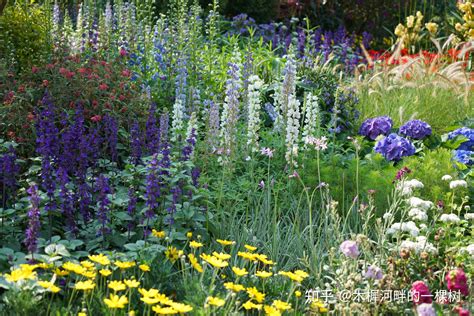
x,y
152,132
153,191
394,147
136,144
415,129
467,133
103,190
350,249
373,127
32,231
8,173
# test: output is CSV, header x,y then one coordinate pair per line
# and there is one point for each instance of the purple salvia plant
x,y
32,231
152,136
131,208
103,190
176,192
67,201
136,144
111,136
8,173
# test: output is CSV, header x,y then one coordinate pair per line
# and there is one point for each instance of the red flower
x,y
457,281
95,103
122,97
103,87
463,312
123,52
45,83
34,69
126,73
96,118
63,71
421,293
30,117
82,70
69,74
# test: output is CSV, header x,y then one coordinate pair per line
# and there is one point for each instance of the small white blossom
x,y
419,203
446,177
457,183
419,245
469,216
469,249
451,218
409,227
418,214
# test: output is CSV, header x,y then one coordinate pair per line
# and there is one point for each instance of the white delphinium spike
x,y
292,129
312,117
254,106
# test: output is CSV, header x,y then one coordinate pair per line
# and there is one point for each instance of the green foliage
x,y
441,108
24,33
429,168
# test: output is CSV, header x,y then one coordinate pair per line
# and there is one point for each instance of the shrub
x,y
24,33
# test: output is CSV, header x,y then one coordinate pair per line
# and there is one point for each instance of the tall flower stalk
x,y
230,113
312,120
34,224
254,107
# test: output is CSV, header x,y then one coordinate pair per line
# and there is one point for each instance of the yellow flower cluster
x,y
409,34
467,28
89,277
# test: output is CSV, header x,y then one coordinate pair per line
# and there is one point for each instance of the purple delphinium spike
x,y
67,201
47,142
152,132
189,148
103,189
136,144
176,192
8,173
131,208
32,231
153,192
195,173
48,183
111,136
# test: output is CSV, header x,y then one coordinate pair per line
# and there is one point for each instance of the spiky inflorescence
x,y
32,231
292,129
179,106
136,144
103,189
254,106
213,123
230,113
312,121
286,89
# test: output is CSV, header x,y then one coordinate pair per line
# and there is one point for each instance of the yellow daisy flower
x,y
215,262
105,272
144,267
251,305
115,301
234,287
239,272
84,285
255,294
250,248
49,286
195,244
221,255
224,242
131,283
263,274
100,259
117,286
215,301
158,234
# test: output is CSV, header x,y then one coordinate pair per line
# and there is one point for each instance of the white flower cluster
x,y
449,218
446,177
253,122
420,244
457,184
469,249
469,216
406,187
312,117
409,227
419,203
292,129
178,118
418,214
